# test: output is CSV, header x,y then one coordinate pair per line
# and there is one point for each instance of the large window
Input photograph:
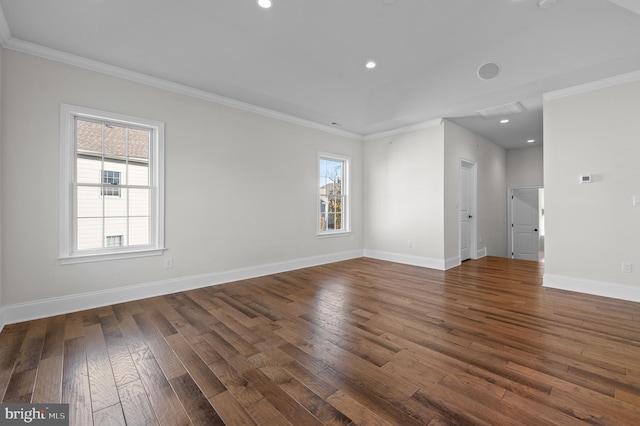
x,y
111,186
333,207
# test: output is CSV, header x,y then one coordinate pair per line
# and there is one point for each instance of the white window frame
x,y
68,208
346,207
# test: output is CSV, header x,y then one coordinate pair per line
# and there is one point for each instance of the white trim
x,y
425,262
401,130
61,305
481,253
594,85
2,316
597,288
103,68
452,262
99,257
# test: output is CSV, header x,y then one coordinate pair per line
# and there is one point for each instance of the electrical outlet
x,y
409,243
168,263
626,267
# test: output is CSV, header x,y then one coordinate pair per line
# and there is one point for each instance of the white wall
x,y
525,167
403,199
459,143
1,208
592,228
241,188
412,190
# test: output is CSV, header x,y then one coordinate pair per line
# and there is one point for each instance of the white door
x,y
466,215
525,232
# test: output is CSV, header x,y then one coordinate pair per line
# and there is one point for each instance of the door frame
x,y
510,215
472,166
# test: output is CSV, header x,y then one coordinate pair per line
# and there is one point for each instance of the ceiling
x,y
306,58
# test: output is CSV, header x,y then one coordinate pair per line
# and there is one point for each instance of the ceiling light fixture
x,y
370,65
531,141
504,121
265,4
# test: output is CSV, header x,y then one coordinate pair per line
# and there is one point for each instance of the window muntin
x,y
332,194
112,185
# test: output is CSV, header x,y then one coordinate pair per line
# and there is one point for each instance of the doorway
x,y
467,209
526,230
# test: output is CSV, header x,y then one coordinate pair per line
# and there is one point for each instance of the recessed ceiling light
x,y
504,121
531,141
370,65
266,4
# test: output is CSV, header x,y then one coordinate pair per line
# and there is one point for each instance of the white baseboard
x,y
406,259
481,253
452,262
597,288
61,305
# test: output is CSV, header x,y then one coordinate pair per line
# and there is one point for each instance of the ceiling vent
x,y
502,110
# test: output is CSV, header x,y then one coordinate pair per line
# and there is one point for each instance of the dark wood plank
x,y
163,399
198,408
48,386
75,379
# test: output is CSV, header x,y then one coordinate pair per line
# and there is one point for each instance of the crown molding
x,y
594,85
424,125
21,46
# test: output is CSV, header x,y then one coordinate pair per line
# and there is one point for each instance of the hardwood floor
x,y
358,342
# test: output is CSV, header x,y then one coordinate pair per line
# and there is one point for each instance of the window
x,y
113,241
110,178
112,196
333,207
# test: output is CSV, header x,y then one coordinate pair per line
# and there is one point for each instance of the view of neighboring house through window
x,y
115,180
114,241
111,179
333,207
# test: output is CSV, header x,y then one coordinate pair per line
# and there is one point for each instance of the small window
x,y
114,241
112,180
333,205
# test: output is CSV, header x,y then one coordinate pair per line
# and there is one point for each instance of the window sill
x,y
334,234
99,257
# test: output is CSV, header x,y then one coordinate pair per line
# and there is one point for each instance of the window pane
x,y
139,231
89,233
138,202
116,226
138,173
114,172
88,169
89,137
89,202
139,144
115,141
115,205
